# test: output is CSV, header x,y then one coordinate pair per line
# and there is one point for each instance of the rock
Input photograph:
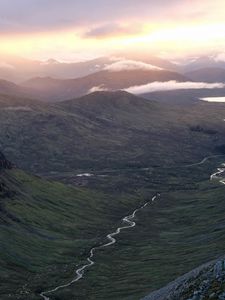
x,y
222,296
4,163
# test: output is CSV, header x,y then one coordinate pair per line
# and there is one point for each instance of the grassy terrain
x,y
182,230
47,228
106,130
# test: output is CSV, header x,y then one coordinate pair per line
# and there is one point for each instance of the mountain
x,y
150,59
202,62
46,225
19,69
184,97
207,75
92,131
47,230
203,281
133,148
50,89
4,163
10,88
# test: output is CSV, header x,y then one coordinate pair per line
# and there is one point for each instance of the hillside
x,y
93,131
18,69
207,75
12,89
184,97
125,142
45,226
4,163
53,227
204,62
51,89
206,281
173,236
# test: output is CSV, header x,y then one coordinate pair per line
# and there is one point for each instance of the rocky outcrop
x,y
4,163
204,282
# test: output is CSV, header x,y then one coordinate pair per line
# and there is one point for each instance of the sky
x,y
79,30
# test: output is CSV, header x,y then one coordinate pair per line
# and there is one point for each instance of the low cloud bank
x,y
172,85
99,88
129,65
214,99
4,65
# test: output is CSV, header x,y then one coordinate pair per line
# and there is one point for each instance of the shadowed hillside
x,y
125,142
51,89
106,130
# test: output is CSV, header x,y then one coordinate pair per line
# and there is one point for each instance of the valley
x,y
75,168
112,150
187,200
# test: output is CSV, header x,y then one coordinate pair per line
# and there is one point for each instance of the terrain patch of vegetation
x,y
106,130
173,236
135,148
46,228
49,228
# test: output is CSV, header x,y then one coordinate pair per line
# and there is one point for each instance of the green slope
x,y
46,228
106,130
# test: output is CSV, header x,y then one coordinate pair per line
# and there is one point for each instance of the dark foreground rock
x,y
203,283
4,163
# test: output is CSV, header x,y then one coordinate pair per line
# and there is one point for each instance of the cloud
x,y
129,65
214,99
99,88
172,85
112,29
220,57
4,65
38,15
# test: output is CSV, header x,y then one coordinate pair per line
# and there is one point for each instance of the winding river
x,y
128,222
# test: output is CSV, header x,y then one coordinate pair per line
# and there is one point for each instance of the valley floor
x,y
171,237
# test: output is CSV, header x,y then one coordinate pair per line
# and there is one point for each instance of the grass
x,y
184,229
107,130
56,225
47,227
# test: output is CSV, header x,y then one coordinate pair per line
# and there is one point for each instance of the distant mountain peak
x,y
51,61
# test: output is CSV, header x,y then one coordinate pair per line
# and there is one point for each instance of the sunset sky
x,y
74,30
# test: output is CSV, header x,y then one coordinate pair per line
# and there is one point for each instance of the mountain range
x,y
124,141
107,74
79,154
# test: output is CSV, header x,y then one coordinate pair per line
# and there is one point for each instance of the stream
x,y
128,222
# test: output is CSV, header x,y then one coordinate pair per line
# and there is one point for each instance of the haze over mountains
x,y
98,152
112,150
61,81
103,136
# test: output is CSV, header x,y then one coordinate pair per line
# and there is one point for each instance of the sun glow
x,y
168,37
